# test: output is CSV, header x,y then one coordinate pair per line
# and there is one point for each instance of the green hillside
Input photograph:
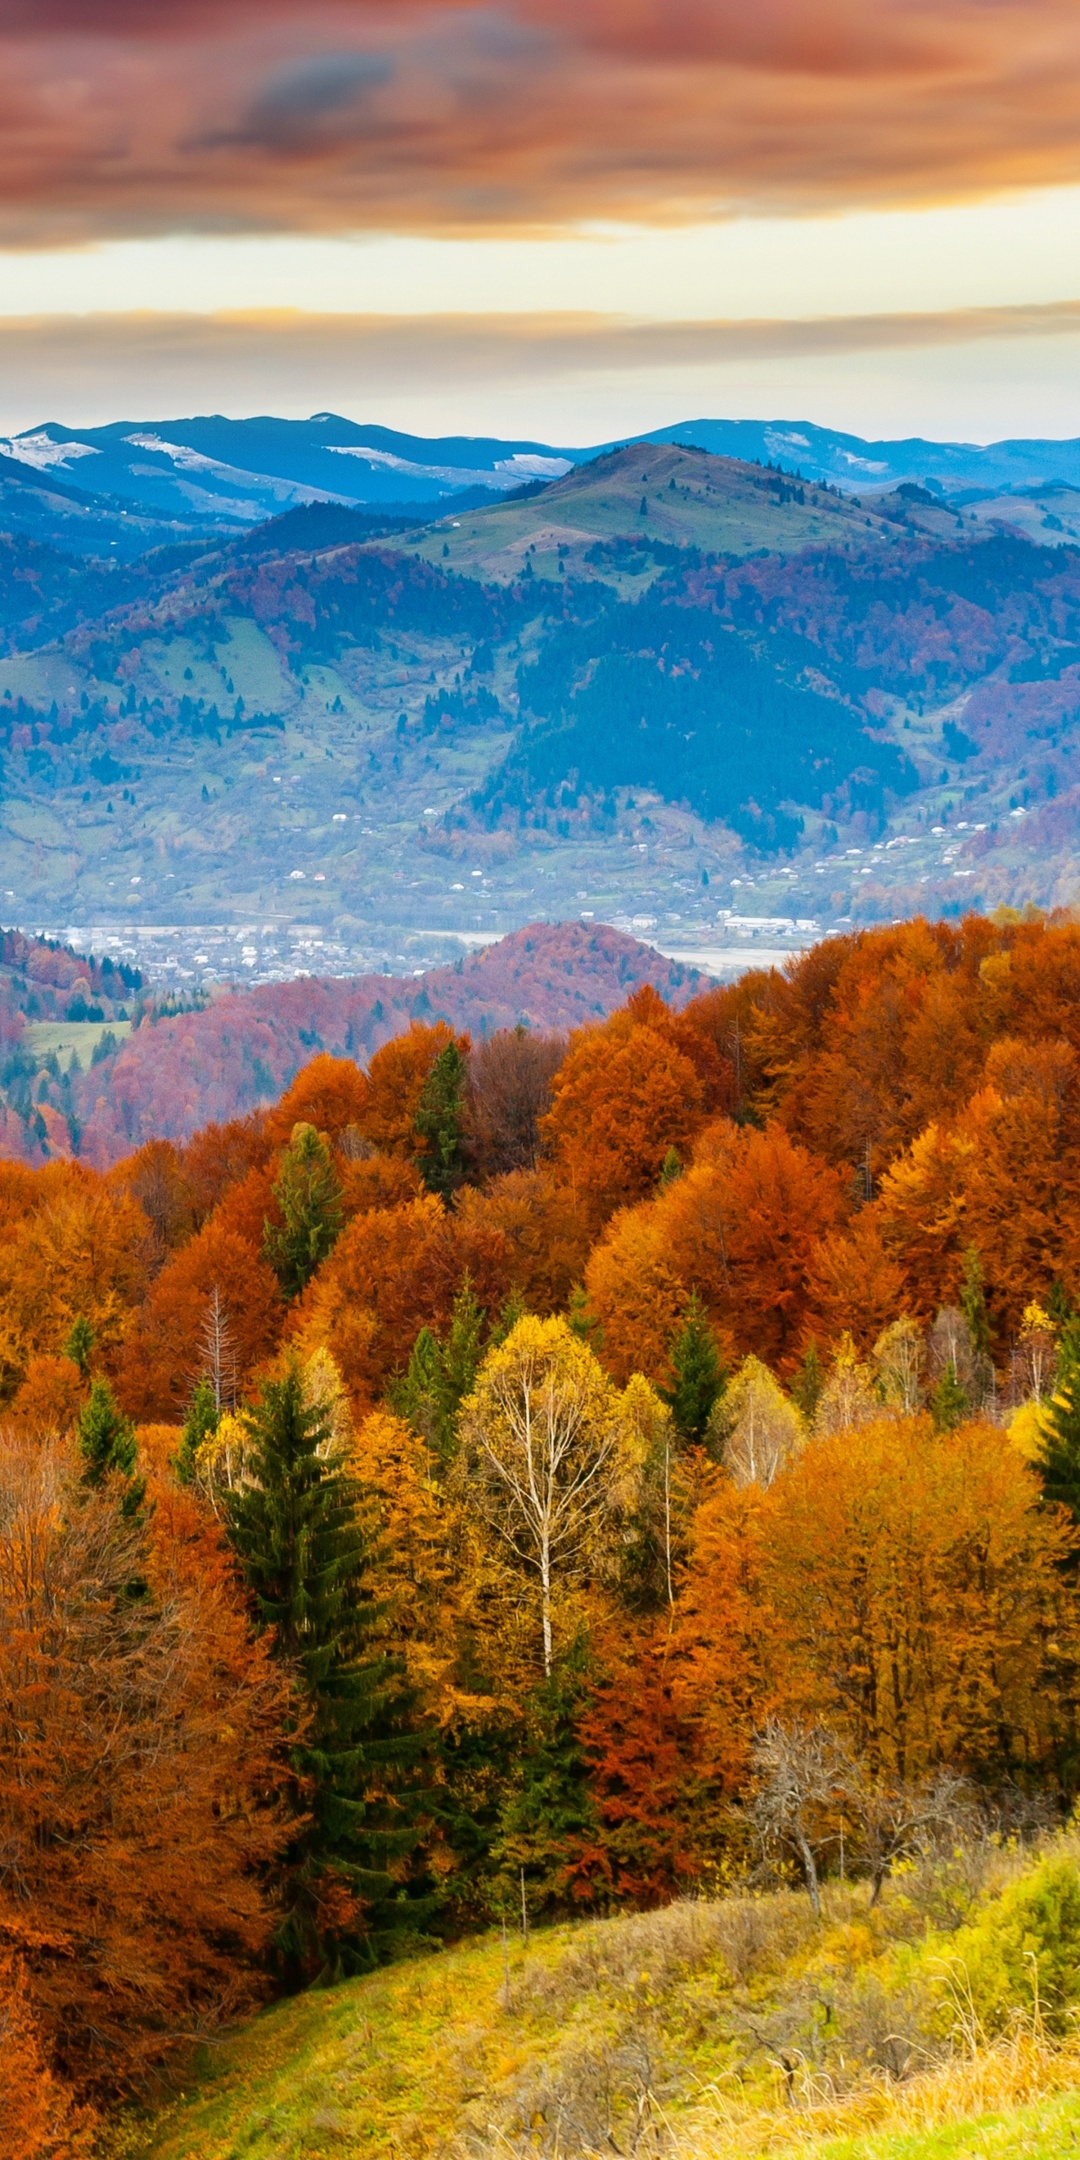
x,y
729,2028
657,495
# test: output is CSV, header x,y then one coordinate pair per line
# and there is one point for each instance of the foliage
x,y
305,1553
308,1192
440,1124
543,1442
698,1377
1059,1462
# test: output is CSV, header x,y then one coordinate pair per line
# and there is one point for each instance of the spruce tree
x,y
698,1377
202,1420
1059,1462
308,1191
671,1168
457,1365
305,1553
949,1404
413,1394
107,1446
79,1344
440,1123
973,1307
581,1319
549,1811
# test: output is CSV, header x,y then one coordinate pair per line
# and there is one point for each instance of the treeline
x,y
574,1469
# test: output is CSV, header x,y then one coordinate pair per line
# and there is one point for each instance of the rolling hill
x,y
755,698
91,1069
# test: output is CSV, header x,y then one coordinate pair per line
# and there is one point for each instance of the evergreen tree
x,y
973,1304
698,1379
671,1168
458,1362
440,1123
306,1554
808,1381
440,1374
510,1312
107,1445
201,1422
79,1344
949,1404
581,1319
414,1393
1059,1306
549,1811
1059,1464
308,1192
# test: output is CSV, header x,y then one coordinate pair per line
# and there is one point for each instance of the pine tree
x,y
107,1445
306,1554
949,1403
699,1378
308,1192
1059,1464
440,1123
79,1344
202,1420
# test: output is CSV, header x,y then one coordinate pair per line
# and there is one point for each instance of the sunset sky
x,y
560,218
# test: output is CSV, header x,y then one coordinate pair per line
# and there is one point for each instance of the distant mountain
x,y
236,472
227,475
863,468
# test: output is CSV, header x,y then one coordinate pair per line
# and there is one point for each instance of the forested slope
x,y
594,1470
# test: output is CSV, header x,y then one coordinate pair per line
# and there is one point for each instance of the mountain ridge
x,y
228,474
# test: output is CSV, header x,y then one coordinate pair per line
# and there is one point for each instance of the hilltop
x,y
658,497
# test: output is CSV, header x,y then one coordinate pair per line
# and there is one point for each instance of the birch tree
x,y
542,1435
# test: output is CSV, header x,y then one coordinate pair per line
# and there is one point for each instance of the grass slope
x,y
649,493
648,2033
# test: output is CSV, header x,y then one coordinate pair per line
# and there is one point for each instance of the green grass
x,y
673,2020
65,1039
1044,2131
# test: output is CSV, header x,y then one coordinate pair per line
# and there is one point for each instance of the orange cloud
x,y
120,118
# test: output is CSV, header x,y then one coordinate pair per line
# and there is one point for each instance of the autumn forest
x,y
535,1474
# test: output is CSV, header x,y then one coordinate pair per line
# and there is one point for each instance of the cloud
x,y
976,373
267,115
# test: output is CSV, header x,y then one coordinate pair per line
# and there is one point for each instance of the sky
x,y
563,219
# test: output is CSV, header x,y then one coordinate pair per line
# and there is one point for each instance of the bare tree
x,y
804,1778
542,1433
218,1362
509,1091
894,1822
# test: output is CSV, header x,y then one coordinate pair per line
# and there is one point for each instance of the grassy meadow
x,y
936,2026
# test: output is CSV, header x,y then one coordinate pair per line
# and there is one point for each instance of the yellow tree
x,y
760,1429
546,1445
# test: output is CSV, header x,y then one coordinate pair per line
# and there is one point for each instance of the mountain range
x,y
691,695
145,481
